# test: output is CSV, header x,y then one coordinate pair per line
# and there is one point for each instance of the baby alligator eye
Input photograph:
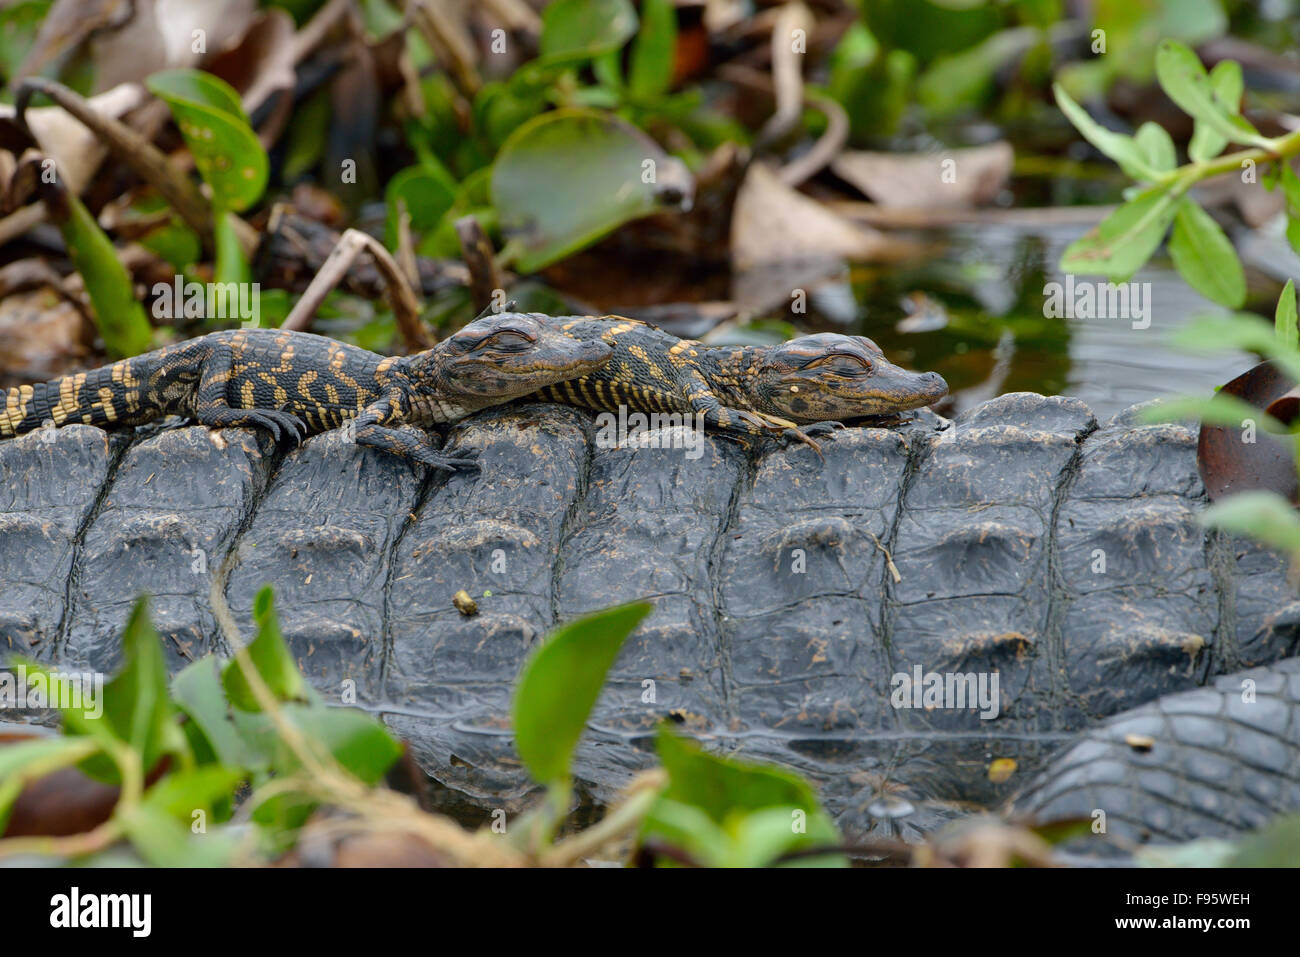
x,y
510,341
844,365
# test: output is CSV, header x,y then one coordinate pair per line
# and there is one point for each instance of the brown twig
x,y
476,250
406,305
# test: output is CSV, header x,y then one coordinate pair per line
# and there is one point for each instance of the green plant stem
x,y
1184,177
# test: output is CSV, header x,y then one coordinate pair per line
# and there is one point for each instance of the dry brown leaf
x,y
959,177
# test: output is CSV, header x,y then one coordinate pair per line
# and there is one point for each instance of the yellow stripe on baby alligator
x,y
106,403
69,390
247,395
386,364
304,383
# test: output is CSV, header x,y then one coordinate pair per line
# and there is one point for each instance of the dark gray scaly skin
x,y
742,391
1208,763
295,384
992,525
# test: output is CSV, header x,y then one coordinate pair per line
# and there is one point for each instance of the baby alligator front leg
x,y
374,428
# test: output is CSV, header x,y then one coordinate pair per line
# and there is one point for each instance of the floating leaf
x,y
560,683
1204,256
226,151
569,177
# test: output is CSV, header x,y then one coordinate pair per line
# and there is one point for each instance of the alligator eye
x,y
844,365
511,341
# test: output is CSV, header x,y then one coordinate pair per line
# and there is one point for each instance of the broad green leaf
x,y
1204,256
559,685
1276,845
1264,516
720,787
1120,244
1227,83
1124,150
967,78
136,707
1157,147
727,813
230,266
651,69
1284,320
181,793
427,195
119,317
360,743
569,177
575,30
1205,852
226,151
1185,81
197,691
270,656
164,842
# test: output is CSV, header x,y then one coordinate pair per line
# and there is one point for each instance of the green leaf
x,y
231,266
197,691
1291,190
1264,516
1120,244
1276,845
967,78
271,658
181,793
135,707
1185,81
651,69
726,813
1244,331
119,317
164,842
1218,409
569,177
576,30
1124,150
1204,256
1157,146
1284,320
559,685
427,194
211,119
360,743
1227,83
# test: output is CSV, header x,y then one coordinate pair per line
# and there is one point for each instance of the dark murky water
x,y
990,280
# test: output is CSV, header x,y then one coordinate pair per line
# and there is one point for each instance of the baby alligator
x,y
742,391
298,384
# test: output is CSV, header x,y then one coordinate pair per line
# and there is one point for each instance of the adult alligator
x,y
789,589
